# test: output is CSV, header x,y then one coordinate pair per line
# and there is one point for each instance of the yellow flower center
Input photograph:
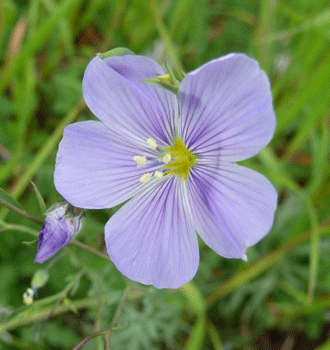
x,y
177,160
181,159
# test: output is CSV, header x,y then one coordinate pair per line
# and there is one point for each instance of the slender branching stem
x,y
107,331
20,211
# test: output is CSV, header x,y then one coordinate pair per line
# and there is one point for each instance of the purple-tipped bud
x,y
61,225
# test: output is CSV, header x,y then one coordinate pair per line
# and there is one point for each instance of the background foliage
x,y
280,298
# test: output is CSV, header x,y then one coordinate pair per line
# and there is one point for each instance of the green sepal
x,y
162,83
175,74
40,199
118,51
40,278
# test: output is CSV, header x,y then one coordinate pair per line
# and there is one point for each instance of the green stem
x,y
36,234
87,339
44,152
42,314
21,228
45,29
107,331
90,249
165,35
20,211
115,318
264,263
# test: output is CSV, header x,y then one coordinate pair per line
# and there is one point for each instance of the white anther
x,y
158,174
167,158
152,143
141,160
146,177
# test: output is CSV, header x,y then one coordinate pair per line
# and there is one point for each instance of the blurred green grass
x,y
45,46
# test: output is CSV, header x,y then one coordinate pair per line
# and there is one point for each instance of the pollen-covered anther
x,y
152,143
158,174
146,177
167,158
141,160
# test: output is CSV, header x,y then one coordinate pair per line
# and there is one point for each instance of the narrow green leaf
x,y
44,152
315,249
317,85
262,264
40,200
6,198
64,27
321,20
45,29
321,152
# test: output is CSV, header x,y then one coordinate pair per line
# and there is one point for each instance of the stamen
x,y
146,177
141,160
158,174
167,158
152,143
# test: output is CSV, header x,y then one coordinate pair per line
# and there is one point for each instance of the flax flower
x,y
173,156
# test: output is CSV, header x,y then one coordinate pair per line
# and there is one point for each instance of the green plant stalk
x,y
315,250
107,331
36,234
43,314
20,211
266,20
116,316
90,249
214,336
262,264
317,83
40,36
165,35
196,300
321,153
114,23
316,22
44,153
268,158
64,28
197,335
23,89
293,311
21,228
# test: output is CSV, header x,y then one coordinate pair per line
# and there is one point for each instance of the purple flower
x,y
173,156
61,225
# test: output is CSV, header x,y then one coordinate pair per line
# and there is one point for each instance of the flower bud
x,y
28,296
39,279
63,222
